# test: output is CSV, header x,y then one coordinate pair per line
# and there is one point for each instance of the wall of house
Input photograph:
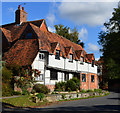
x,y
64,64
55,62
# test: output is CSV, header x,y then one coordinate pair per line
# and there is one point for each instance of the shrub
x,y
98,90
77,81
25,92
89,90
63,96
83,91
60,86
40,88
16,93
70,84
33,91
40,96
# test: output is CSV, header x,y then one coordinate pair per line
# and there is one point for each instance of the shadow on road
x,y
92,109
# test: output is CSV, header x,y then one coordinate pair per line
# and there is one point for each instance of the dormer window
x,y
70,58
92,63
41,56
57,56
28,36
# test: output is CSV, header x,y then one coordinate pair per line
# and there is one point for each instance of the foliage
x,y
83,91
16,93
71,35
7,86
63,96
110,40
40,88
98,90
71,85
60,86
40,96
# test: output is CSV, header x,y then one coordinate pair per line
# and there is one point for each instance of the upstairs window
x,y
57,56
82,60
92,78
41,56
70,58
83,77
92,63
28,36
53,75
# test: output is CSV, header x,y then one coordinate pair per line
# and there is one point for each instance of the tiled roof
x,y
24,50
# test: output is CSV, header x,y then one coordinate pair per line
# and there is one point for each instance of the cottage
x,y
58,59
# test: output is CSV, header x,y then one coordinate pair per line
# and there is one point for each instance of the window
x,y
41,56
81,60
92,78
70,57
53,75
39,78
92,63
66,76
57,56
29,36
83,77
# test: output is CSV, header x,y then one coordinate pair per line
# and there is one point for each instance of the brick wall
x,y
88,84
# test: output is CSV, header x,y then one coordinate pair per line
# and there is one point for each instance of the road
x,y
110,103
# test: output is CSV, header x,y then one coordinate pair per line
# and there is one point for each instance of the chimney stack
x,y
23,8
19,7
21,15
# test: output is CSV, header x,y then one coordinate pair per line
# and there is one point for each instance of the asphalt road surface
x,y
106,104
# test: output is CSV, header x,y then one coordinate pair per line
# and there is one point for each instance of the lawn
x,y
23,101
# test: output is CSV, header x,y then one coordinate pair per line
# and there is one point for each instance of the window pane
x,y
92,78
57,56
53,75
92,63
81,59
41,56
66,76
70,57
83,78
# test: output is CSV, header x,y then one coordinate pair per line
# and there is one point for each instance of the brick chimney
x,y
21,15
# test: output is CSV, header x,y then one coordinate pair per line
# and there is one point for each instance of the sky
x,y
87,17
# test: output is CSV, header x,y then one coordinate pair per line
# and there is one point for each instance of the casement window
x,y
92,78
82,60
83,77
57,56
70,58
92,63
53,75
39,77
28,36
41,56
66,77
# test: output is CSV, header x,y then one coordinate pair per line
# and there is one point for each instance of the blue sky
x,y
88,18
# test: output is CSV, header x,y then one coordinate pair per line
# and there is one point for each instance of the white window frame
x,y
70,59
39,78
41,56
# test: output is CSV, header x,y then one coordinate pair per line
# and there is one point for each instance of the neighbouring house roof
x,y
25,50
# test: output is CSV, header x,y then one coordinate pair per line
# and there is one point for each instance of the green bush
x,y
70,84
60,86
98,90
33,91
40,96
16,93
40,88
89,90
25,92
77,81
63,96
83,91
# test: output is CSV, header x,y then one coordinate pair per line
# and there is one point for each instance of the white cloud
x,y
83,34
51,29
51,18
93,47
11,9
91,13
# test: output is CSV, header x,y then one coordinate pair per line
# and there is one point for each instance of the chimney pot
x,y
19,7
23,8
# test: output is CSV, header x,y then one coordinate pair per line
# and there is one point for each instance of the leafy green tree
x,y
110,41
71,35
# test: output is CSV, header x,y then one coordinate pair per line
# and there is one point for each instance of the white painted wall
x,y
70,65
55,62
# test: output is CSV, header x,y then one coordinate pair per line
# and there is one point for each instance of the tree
x,y
71,35
110,41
